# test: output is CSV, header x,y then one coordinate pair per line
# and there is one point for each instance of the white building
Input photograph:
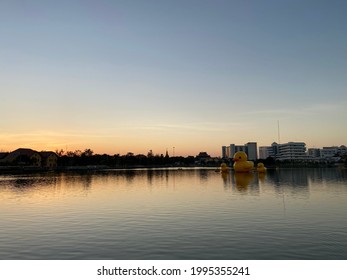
x,y
342,150
268,151
286,151
313,153
292,151
329,152
264,152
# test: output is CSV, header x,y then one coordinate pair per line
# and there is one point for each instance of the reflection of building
x,y
250,149
291,180
29,157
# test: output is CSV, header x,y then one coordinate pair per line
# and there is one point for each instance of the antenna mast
x,y
278,131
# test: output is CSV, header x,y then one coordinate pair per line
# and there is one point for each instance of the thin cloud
x,y
298,111
197,126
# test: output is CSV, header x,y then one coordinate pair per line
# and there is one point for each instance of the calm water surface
x,y
174,214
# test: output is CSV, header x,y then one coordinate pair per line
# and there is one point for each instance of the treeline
x,y
88,158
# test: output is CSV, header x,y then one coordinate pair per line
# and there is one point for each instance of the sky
x,y
183,75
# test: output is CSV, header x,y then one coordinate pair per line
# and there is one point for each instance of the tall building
x,y
268,151
264,152
250,149
224,152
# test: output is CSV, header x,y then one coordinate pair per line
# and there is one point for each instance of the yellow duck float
x,y
241,164
261,168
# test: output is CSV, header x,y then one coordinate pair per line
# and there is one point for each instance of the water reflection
x,y
261,177
226,177
293,180
243,180
204,174
173,214
297,177
26,183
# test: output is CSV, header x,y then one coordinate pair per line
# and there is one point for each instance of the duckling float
x,y
261,168
241,164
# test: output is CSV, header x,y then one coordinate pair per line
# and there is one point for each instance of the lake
x,y
174,214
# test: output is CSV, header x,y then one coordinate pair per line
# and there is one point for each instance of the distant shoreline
x,y
30,170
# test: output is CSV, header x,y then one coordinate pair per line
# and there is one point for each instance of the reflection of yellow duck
x,y
224,168
261,168
243,179
241,164
261,176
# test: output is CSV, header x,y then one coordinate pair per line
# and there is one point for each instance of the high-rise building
x,y
224,152
264,152
250,149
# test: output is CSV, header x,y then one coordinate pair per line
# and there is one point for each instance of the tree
x,y
87,153
59,152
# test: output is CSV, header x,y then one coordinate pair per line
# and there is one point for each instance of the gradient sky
x,y
130,76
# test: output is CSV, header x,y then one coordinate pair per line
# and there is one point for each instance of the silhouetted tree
x,y
87,153
60,152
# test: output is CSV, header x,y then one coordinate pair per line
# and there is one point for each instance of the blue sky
x,y
119,76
